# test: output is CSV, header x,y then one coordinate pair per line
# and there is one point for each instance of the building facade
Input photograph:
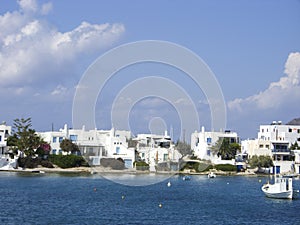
x,y
275,140
203,141
157,150
93,144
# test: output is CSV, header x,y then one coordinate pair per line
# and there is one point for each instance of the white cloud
x,y
284,92
59,90
28,5
46,8
34,51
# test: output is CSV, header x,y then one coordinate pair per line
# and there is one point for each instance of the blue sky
x,y
252,47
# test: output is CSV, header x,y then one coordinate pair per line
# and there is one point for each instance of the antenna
x,y
171,132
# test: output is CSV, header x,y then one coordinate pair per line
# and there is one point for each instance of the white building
x,y
256,147
5,131
202,142
275,140
93,144
157,149
6,162
280,132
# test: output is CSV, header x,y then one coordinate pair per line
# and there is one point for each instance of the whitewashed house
x,y
93,144
5,131
203,141
157,149
275,140
6,162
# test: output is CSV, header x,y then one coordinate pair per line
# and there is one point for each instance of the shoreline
x,y
102,170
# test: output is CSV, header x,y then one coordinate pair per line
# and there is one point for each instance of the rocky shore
x,y
104,170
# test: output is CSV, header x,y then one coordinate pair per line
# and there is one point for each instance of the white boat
x,y
282,188
7,163
211,175
186,177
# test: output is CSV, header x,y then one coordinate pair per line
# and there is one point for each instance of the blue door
x,y
277,169
128,163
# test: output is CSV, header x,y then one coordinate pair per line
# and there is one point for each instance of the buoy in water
x,y
169,184
95,189
160,205
123,197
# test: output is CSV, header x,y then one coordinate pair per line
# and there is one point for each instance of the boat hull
x,y
280,195
282,188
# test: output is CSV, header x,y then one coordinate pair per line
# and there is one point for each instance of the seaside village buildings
x,y
6,162
274,140
203,141
96,144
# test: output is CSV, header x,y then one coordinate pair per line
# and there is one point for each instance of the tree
x,y
24,138
68,146
183,148
261,161
225,149
295,146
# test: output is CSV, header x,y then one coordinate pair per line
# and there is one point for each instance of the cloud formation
x,y
32,50
282,93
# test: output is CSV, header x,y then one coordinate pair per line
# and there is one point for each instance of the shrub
x,y
67,161
29,162
226,167
141,165
116,164
198,167
46,163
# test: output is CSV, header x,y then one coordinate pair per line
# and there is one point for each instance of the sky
x,y
252,48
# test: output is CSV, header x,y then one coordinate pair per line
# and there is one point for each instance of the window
x,y
60,139
268,146
54,151
290,130
143,155
117,150
54,139
262,130
298,131
60,151
166,156
261,146
0,138
208,140
73,137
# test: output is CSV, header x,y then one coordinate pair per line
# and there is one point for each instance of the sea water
x,y
92,199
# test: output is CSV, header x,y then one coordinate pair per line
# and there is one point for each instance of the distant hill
x,y
294,122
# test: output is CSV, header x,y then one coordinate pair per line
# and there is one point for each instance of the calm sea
x,y
80,199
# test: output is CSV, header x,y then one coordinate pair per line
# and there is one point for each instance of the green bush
x,y
46,163
141,165
198,167
29,162
226,167
115,164
67,161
